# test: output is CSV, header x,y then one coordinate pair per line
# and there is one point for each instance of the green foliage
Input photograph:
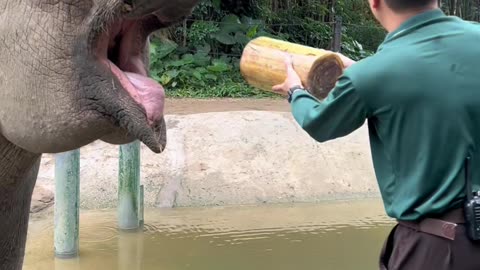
x,y
176,69
200,33
208,64
354,49
201,57
197,74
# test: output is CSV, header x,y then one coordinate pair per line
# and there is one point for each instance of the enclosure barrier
x,y
67,197
129,186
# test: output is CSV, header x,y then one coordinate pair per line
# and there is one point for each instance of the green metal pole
x,y
141,203
67,200
128,186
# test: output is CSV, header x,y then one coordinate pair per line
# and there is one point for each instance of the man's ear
x,y
375,3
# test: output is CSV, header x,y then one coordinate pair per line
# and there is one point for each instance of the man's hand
x,y
292,78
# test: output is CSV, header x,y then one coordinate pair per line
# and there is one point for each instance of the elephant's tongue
x,y
150,94
142,89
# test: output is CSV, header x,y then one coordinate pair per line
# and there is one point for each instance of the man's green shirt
x,y
420,94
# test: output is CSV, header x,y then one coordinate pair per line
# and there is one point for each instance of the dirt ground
x,y
192,106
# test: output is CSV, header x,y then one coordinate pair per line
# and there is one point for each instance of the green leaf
x,y
220,61
186,60
172,73
224,38
201,60
201,70
223,59
163,49
252,32
205,49
153,48
177,63
218,66
211,77
197,75
241,38
165,79
188,57
230,24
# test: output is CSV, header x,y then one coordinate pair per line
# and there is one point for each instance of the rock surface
x,y
225,158
42,199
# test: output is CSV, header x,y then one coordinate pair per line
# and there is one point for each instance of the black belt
x,y
442,226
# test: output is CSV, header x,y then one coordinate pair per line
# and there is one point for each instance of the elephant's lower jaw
x,y
159,129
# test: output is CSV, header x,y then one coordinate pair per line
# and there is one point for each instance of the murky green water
x,y
333,236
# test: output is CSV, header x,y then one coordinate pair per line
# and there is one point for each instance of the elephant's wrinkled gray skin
x,y
72,72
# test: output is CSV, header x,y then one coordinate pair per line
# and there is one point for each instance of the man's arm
x,y
339,114
342,112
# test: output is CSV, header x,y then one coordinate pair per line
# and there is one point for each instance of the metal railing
x,y
67,197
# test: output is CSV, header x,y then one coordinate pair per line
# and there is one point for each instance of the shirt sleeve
x,y
340,113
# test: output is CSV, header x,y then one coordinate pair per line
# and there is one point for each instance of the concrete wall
x,y
226,158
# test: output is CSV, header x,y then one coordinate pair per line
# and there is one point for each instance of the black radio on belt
x,y
471,207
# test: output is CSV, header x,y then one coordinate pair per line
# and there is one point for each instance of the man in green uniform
x,y
420,93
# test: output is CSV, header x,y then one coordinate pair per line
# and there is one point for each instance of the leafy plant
x,y
354,49
187,69
201,32
202,58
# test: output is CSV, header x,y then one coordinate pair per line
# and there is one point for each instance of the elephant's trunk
x,y
18,173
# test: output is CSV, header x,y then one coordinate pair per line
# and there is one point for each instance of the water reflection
x,y
130,251
323,236
70,264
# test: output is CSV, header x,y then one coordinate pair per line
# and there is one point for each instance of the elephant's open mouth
x,y
121,49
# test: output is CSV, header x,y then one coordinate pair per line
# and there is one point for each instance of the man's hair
x,y
405,5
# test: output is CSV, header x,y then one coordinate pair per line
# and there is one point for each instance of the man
x,y
420,93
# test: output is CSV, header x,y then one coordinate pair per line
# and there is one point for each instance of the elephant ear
x,y
167,11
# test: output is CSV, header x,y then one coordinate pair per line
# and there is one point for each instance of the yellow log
x,y
262,65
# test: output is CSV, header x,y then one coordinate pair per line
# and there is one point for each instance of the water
x,y
330,236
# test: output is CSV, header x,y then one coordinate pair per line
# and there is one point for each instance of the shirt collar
x,y
414,21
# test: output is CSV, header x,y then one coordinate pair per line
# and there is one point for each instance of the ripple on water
x,y
233,238
98,234
220,230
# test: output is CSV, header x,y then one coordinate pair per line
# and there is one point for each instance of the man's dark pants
x,y
434,245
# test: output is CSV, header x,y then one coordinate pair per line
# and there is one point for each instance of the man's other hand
x,y
292,78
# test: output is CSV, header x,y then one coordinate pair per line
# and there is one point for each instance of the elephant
x,y
72,72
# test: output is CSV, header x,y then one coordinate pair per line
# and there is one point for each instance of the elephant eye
x,y
127,6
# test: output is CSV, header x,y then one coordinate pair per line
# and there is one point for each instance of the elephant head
x,y
72,72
